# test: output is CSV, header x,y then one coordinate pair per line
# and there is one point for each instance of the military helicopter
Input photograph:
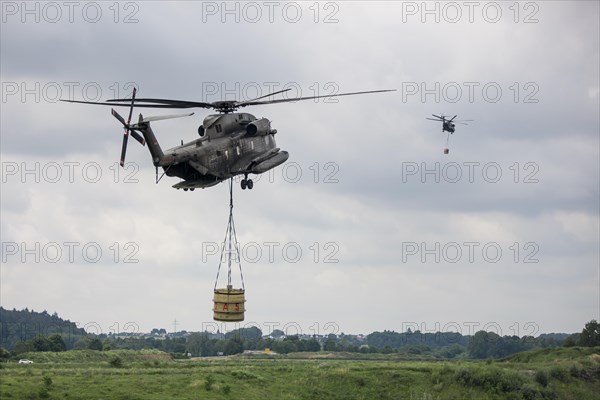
x,y
448,125
230,144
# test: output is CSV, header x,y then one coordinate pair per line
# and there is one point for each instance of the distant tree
x,y
311,345
284,347
234,346
479,345
57,343
330,345
81,344
416,349
4,354
387,349
277,333
392,339
95,344
245,333
571,340
452,351
175,345
590,336
199,345
490,345
22,346
193,345
41,343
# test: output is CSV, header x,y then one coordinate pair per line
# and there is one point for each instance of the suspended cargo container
x,y
229,304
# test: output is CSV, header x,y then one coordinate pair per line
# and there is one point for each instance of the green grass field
x,y
565,373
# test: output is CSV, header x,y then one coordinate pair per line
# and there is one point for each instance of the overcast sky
x,y
368,226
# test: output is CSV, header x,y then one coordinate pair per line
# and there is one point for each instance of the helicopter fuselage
x,y
448,127
230,144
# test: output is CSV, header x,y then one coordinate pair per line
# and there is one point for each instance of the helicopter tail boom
x,y
155,150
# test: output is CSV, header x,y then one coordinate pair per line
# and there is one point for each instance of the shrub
x,y
244,375
47,381
530,392
489,378
116,362
44,393
541,377
575,371
208,383
559,373
463,376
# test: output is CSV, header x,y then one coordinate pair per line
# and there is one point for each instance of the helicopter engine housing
x,y
259,127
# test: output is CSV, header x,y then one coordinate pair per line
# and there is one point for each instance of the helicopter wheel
x,y
247,183
192,189
185,189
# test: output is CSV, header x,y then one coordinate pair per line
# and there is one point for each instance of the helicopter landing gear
x,y
247,183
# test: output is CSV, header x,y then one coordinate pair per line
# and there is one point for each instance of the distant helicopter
x,y
448,125
230,143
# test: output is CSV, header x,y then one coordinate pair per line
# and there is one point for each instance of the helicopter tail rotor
x,y
127,129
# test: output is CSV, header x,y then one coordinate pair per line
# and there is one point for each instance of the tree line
x,y
25,325
441,345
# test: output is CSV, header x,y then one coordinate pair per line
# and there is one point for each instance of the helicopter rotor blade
x,y
452,119
133,133
243,103
176,105
131,108
164,103
437,116
433,119
117,116
124,147
254,103
127,128
161,117
138,137
221,106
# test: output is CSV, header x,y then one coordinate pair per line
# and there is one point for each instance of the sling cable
x,y
229,302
